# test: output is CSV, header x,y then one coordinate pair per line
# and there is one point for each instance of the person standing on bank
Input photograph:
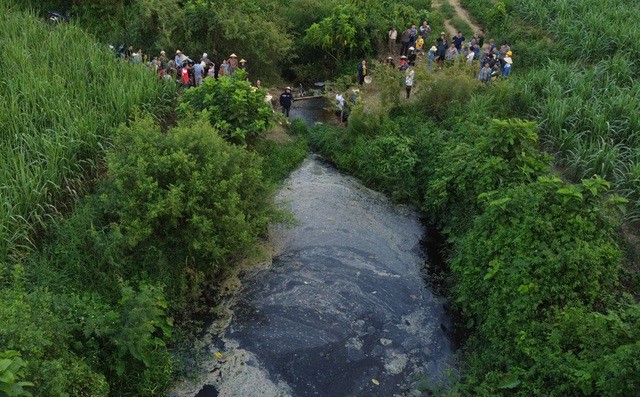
x,y
406,41
408,81
393,35
286,99
362,72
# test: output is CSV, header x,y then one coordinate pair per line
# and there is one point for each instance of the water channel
x,y
343,308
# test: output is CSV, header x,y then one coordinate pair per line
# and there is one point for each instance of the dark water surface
x,y
344,302
343,310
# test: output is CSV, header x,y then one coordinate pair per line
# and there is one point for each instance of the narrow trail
x,y
461,13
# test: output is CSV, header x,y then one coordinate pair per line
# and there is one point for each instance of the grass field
x,y
577,75
61,93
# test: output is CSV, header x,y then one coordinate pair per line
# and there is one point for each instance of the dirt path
x,y
461,13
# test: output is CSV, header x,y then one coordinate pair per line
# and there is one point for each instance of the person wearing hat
x,y
179,59
431,57
206,64
243,64
441,38
412,56
405,41
403,64
233,63
393,35
286,99
163,58
362,71
506,69
389,62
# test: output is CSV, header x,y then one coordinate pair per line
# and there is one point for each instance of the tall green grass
x,y
583,89
60,96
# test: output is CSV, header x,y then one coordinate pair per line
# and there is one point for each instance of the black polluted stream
x,y
342,310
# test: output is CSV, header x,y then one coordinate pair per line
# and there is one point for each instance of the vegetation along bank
x,y
116,221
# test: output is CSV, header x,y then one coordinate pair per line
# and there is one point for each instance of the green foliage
x,y
70,341
187,194
357,28
253,29
234,108
477,160
11,370
535,261
90,312
280,158
53,137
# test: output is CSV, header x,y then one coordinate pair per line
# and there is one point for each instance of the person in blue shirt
x,y
198,71
458,40
179,59
506,70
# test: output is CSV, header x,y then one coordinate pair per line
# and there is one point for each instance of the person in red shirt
x,y
184,73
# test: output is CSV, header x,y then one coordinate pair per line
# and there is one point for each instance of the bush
x,y
89,314
72,343
235,108
186,201
477,159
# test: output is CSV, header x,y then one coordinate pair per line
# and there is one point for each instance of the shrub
x,y
185,200
536,251
11,370
71,342
234,108
479,159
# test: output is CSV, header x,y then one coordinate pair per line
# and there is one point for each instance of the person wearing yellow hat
x,y
506,69
243,64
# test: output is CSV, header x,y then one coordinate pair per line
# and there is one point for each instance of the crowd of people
x,y
190,73
493,62
182,68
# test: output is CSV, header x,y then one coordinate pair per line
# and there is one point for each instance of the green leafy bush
x,y
235,108
73,342
475,160
11,370
185,200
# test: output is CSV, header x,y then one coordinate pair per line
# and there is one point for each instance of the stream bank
x,y
342,309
